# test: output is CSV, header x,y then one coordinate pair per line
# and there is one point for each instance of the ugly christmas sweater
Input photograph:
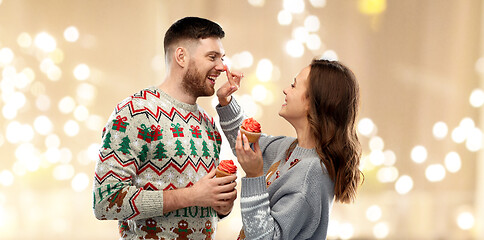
x,y
293,199
153,142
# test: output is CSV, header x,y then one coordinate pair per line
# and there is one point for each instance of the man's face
x,y
204,66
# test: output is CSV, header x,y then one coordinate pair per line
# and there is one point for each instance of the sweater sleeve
x,y
231,117
115,195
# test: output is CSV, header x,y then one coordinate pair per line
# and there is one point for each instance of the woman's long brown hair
x,y
333,94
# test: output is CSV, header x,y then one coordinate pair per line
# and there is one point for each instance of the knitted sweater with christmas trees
x,y
293,199
153,142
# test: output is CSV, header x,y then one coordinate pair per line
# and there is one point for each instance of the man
x,y
157,163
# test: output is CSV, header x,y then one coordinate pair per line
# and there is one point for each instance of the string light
x,y
66,105
419,154
284,17
366,126
346,230
294,48
330,55
63,172
43,125
86,93
71,34
257,3
264,70
311,23
381,230
293,6
476,99
45,42
318,3
373,213
71,128
376,143
452,162
6,56
80,182
404,184
440,130
390,158
435,172
313,42
465,220
82,72
387,174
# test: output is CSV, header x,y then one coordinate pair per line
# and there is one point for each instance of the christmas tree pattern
x,y
193,148
179,149
107,141
143,155
124,145
216,150
160,151
205,150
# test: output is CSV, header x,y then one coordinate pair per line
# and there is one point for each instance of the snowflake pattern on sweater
x,y
147,148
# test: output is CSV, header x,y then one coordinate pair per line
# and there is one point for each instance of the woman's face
x,y
296,104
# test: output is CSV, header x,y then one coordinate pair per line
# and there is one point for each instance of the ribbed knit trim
x,y
152,203
175,102
227,112
305,152
257,186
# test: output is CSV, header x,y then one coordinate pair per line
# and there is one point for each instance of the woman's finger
x,y
246,143
256,146
238,142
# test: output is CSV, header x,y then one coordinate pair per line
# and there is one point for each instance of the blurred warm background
x,y
65,65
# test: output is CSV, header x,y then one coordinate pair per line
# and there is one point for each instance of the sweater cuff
x,y
253,186
227,112
152,203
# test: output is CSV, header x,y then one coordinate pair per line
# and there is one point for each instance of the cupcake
x,y
251,129
225,168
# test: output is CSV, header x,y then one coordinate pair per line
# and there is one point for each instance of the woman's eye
x,y
292,85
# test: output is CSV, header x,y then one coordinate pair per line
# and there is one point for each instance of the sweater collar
x,y
305,152
177,104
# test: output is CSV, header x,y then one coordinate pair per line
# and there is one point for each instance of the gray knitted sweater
x,y
294,199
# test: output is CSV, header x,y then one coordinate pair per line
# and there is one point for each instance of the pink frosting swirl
x,y
251,125
227,166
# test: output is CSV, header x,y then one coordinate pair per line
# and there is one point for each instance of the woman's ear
x,y
181,56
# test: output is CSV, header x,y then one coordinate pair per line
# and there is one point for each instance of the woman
x,y
290,184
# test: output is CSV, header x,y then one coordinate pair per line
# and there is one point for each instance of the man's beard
x,y
195,83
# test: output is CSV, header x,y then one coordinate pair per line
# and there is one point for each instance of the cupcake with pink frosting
x,y
225,168
251,129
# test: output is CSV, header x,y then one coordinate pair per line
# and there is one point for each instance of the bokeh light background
x,y
65,64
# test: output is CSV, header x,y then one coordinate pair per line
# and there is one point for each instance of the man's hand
x,y
218,193
224,93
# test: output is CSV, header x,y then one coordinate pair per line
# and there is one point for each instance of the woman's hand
x,y
225,91
250,160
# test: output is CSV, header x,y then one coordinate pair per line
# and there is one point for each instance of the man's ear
x,y
181,56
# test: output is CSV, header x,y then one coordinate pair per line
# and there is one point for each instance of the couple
x,y
156,167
